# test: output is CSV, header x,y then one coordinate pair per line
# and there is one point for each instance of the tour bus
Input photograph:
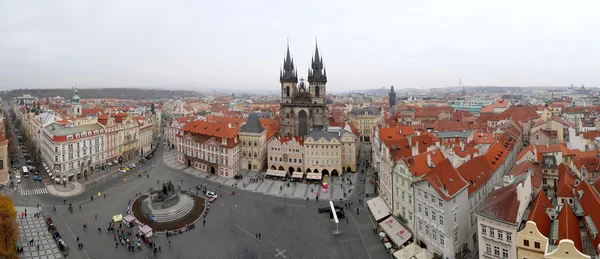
x,y
25,171
18,177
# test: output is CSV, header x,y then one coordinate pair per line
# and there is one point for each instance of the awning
x,y
378,208
117,218
128,218
57,179
395,231
276,173
408,252
313,176
145,229
71,174
297,175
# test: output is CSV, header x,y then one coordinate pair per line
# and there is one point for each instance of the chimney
x,y
429,161
415,148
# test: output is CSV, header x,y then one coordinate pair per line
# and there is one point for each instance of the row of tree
x,y
9,230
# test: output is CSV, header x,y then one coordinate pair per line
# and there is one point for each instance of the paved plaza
x,y
290,225
35,228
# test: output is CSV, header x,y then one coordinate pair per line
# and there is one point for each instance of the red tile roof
x,y
418,166
568,227
91,111
566,183
494,157
475,174
284,139
502,204
590,202
538,213
536,176
423,141
212,129
399,149
590,135
501,103
445,179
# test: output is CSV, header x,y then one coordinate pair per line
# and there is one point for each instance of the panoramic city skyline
x,y
240,45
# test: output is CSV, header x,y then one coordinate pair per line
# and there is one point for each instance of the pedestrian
x,y
347,221
258,235
116,244
356,211
159,250
169,243
77,239
96,216
99,230
38,247
79,207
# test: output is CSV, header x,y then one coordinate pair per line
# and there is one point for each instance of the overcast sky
x,y
241,44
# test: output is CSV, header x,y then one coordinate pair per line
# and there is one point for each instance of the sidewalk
x,y
71,189
277,188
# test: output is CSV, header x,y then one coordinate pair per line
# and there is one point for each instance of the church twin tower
x,y
302,109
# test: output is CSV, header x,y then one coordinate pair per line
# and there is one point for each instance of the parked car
x,y
21,156
132,165
110,164
37,178
211,194
143,160
126,168
121,170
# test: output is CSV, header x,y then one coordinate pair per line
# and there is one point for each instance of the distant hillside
x,y
127,93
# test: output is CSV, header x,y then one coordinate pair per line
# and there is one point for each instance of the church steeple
x,y
317,72
288,73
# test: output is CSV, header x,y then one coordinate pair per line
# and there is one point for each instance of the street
x,y
291,227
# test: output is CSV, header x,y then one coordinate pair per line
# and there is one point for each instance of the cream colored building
x,y
324,151
211,147
146,129
365,120
254,144
286,154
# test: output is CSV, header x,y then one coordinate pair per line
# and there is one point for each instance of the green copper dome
x,y
76,97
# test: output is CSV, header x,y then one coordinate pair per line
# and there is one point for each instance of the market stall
x,y
117,218
297,176
313,177
145,231
129,220
413,250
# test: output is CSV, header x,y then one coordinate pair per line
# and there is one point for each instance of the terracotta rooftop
x,y
284,139
475,174
445,179
538,213
502,204
590,202
568,227
399,149
524,167
566,183
418,166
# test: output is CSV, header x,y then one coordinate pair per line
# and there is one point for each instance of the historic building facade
x,y
302,107
212,147
254,143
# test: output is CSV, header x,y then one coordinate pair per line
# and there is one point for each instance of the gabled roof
x,y
445,179
212,129
475,174
568,227
417,165
285,139
423,141
494,157
590,135
399,149
536,172
566,183
502,204
538,213
589,163
252,124
590,202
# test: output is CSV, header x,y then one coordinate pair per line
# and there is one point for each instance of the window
x,y
526,242
504,253
434,234
433,215
441,220
455,219
492,232
500,236
442,240
496,251
455,237
420,225
483,229
432,199
425,195
537,245
426,229
420,208
508,236
426,212
440,202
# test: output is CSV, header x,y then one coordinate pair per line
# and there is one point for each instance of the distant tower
x,y
392,95
75,105
464,91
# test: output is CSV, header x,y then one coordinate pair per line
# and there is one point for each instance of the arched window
x,y
287,91
317,90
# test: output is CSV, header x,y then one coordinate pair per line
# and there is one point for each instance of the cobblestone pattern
x,y
36,229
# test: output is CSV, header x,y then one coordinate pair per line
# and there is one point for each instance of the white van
x,y
18,177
